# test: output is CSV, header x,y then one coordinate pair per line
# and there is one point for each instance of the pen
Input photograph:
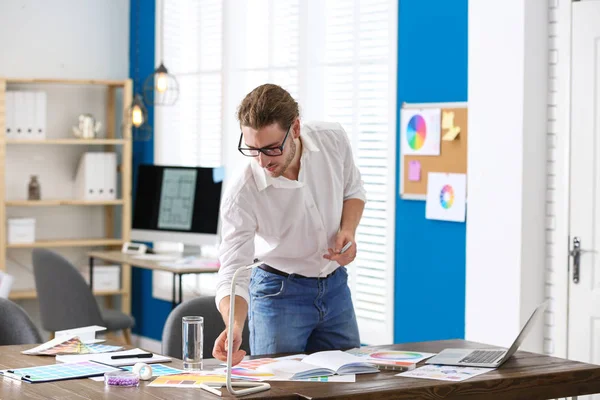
x,y
141,355
346,247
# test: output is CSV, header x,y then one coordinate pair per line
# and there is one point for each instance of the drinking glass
x,y
192,342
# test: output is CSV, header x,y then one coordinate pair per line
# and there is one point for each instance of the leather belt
x,y
272,270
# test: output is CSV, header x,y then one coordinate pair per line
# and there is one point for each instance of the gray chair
x,y
66,300
213,326
15,325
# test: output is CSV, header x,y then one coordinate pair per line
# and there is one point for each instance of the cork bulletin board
x,y
453,153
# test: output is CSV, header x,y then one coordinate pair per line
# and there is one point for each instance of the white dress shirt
x,y
288,224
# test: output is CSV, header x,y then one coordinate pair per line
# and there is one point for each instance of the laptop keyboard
x,y
482,356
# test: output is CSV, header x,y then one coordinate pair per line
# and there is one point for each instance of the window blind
x,y
190,130
339,55
356,71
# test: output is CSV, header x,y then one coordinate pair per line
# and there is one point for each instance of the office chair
x,y
203,306
67,302
15,325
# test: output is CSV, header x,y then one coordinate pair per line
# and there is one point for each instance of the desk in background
x,y
128,259
525,376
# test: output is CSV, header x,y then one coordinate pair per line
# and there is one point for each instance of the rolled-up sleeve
x,y
353,184
238,227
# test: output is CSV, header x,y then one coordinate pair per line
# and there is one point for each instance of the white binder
x,y
39,125
10,115
109,182
20,115
88,179
96,177
29,112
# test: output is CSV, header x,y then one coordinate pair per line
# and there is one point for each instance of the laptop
x,y
486,358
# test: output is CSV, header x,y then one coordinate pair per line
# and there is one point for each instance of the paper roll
x,y
143,370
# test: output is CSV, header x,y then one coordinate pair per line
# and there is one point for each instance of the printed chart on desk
x,y
57,372
189,380
445,373
391,355
158,370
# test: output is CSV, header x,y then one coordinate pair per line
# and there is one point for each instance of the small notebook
x,y
323,363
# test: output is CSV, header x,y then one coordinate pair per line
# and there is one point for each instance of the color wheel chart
x,y
416,132
421,129
447,196
396,356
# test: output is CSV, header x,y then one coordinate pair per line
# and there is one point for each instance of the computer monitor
x,y
177,204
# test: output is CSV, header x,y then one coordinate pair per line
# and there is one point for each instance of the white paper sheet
x,y
445,373
446,197
420,131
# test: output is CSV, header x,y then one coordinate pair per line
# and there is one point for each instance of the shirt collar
x,y
264,180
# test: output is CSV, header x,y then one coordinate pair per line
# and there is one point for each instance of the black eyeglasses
x,y
269,151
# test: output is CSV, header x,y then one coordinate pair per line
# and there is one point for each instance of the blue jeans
x,y
297,315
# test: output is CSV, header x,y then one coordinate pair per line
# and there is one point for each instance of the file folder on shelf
x,y
96,177
10,115
26,115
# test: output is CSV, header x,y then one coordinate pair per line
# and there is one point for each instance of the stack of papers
x,y
69,345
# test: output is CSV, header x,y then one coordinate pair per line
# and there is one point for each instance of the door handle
x,y
576,254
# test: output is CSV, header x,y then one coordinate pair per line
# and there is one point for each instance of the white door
x,y
584,282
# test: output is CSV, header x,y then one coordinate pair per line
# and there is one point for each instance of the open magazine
x,y
323,363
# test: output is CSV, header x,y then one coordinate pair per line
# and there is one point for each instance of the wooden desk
x,y
127,259
526,376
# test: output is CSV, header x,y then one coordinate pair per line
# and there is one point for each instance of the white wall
x,y
59,39
507,169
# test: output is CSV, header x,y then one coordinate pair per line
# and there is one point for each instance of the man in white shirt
x,y
302,197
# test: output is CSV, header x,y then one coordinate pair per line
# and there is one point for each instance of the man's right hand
x,y
221,346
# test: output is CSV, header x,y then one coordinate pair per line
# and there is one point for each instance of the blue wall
x,y
150,314
430,255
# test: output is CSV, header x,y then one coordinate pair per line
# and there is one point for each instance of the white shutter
x,y
271,44
357,94
347,74
189,132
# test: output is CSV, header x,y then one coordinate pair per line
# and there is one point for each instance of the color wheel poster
x,y
421,131
446,196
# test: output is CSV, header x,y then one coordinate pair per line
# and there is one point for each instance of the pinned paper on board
x,y
446,196
452,130
420,131
414,171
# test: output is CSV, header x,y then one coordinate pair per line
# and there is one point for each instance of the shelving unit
x,y
108,144
85,142
62,202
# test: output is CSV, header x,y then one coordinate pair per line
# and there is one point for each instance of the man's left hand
x,y
346,257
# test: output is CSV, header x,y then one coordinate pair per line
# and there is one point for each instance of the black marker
x,y
141,355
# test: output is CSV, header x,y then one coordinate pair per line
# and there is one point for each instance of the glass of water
x,y
192,341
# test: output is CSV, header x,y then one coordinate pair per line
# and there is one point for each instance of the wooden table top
x,y
121,258
525,376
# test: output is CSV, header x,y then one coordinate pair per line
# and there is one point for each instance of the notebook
x,y
323,363
106,358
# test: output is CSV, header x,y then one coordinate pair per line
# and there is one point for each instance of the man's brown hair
x,y
266,105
